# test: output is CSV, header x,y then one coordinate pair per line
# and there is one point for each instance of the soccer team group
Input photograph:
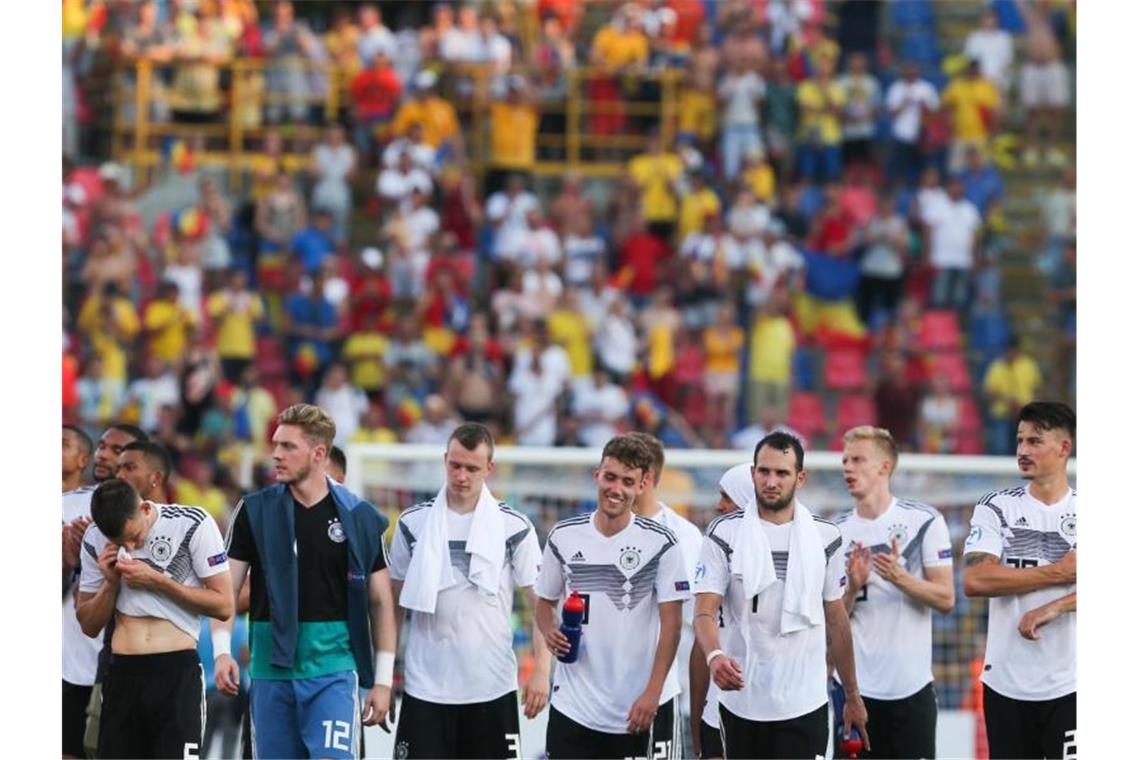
x,y
765,619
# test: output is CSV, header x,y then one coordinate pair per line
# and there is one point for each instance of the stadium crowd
x,y
817,241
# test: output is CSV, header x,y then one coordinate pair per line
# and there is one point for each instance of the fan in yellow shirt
x,y
773,344
165,321
109,321
974,103
514,127
364,351
1011,382
656,173
235,311
435,115
197,488
570,328
697,204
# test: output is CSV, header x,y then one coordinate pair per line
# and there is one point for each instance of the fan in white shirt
x,y
1021,554
779,641
631,574
395,185
598,404
899,568
670,717
992,48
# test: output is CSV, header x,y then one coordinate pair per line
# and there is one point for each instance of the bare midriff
x,y
148,635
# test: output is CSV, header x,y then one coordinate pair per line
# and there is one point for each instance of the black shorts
x,y
802,736
477,730
903,728
666,736
711,745
566,738
1017,728
75,699
154,705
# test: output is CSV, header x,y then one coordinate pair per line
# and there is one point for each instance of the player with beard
x,y
779,575
321,613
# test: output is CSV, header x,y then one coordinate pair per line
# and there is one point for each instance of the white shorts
x,y
1044,84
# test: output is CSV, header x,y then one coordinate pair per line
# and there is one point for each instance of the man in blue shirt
x,y
982,183
315,242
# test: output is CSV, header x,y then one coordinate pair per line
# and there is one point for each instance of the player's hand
x,y
227,675
644,710
858,566
855,714
139,574
535,694
726,673
1068,567
557,642
109,563
887,565
376,707
1034,619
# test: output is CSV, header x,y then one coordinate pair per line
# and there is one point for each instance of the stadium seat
x,y
953,367
969,443
969,419
844,370
855,409
939,331
270,359
806,415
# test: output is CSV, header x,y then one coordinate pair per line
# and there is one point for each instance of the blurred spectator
x,y
253,410
460,44
599,405
514,129
724,344
165,322
288,45
833,230
775,263
363,350
196,486
216,256
698,202
410,365
1058,207
333,167
375,38
896,401
494,48
396,183
992,47
909,101
374,427
818,147
235,311
862,97
198,377
148,39
507,211
781,117
280,215
643,256
375,94
535,390
435,115
474,383
145,396
342,43
954,229
111,260
553,58
741,93
657,173
100,397
344,402
568,12
572,211
621,49
771,348
1044,88
313,244
696,107
938,418
615,342
975,107
108,320
883,265
1011,382
982,183
310,325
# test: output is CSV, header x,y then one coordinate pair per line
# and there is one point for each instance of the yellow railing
x,y
232,139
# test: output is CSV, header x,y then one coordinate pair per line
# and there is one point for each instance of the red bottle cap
x,y
574,603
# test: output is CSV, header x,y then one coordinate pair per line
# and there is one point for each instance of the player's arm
x,y
986,576
1045,614
94,609
841,654
935,589
227,675
698,693
644,708
536,691
723,670
379,703
858,571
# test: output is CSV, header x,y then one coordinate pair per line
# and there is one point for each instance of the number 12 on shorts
x,y
336,734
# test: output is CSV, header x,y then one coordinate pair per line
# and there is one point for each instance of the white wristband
x,y
221,641
713,655
385,664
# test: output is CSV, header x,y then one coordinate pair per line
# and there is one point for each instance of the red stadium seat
x,y
270,359
969,419
844,370
853,410
953,367
806,415
969,443
940,331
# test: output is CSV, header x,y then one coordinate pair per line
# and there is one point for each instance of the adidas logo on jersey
x,y
1021,521
577,557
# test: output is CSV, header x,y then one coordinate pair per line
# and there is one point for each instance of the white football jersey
x,y
184,544
689,540
463,653
785,676
1023,532
891,631
80,651
623,579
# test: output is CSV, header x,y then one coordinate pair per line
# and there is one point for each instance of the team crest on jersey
x,y
401,751
336,532
1069,526
630,558
975,535
161,549
898,532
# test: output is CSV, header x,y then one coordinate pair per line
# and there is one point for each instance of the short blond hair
x,y
315,423
881,437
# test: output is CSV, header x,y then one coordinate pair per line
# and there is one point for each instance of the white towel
x,y
430,570
738,485
752,555
803,584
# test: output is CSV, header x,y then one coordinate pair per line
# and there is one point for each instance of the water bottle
x,y
852,745
572,613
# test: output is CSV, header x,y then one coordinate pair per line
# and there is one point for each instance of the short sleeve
x,y
381,561
90,577
835,572
985,532
401,555
712,574
894,96
207,550
936,551
551,582
239,542
672,576
526,561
